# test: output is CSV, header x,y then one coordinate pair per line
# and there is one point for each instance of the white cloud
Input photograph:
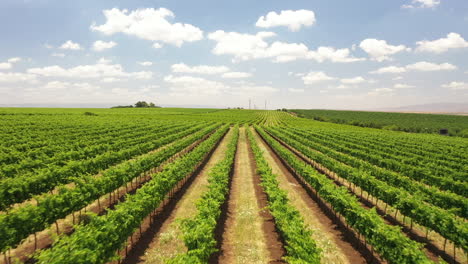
x,y
452,41
150,24
145,63
422,4
423,66
294,20
296,90
247,47
56,85
48,46
12,77
427,66
110,80
200,69
14,60
5,66
241,46
61,55
397,78
70,45
9,63
100,70
456,85
389,69
403,86
183,85
334,55
316,77
157,46
355,80
381,91
236,75
379,50
102,45
342,87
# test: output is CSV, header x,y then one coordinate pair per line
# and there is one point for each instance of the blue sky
x,y
364,54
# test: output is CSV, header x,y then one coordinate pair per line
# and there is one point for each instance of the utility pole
x,y
265,104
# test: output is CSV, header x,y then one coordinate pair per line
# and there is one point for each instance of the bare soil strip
x,y
139,241
168,241
45,238
433,248
244,239
328,235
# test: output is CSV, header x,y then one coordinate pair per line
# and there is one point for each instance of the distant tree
x,y
141,104
151,104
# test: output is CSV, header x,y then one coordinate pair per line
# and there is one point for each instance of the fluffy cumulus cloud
x,y
428,66
102,45
183,85
294,20
9,63
456,85
316,77
422,66
241,46
200,69
248,47
331,54
145,63
380,50
150,24
70,45
403,86
381,91
452,41
355,80
422,4
12,77
236,75
100,70
197,86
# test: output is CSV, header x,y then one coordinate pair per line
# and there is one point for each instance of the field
x,y
457,125
170,185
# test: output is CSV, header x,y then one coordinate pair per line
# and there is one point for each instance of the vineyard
x,y
172,185
456,125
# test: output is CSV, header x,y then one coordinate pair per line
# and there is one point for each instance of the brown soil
x,y
337,248
168,241
45,238
140,241
244,239
432,249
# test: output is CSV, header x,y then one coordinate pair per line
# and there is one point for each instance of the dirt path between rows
x,y
168,241
245,238
432,249
45,238
329,237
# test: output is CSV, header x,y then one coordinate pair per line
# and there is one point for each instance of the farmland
x,y
173,185
456,125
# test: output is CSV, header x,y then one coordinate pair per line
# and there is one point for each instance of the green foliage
x,y
387,240
415,123
300,247
198,231
98,241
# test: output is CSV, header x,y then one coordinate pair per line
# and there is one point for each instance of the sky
x,y
330,54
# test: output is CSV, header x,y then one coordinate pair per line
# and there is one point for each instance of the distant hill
x,y
454,108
